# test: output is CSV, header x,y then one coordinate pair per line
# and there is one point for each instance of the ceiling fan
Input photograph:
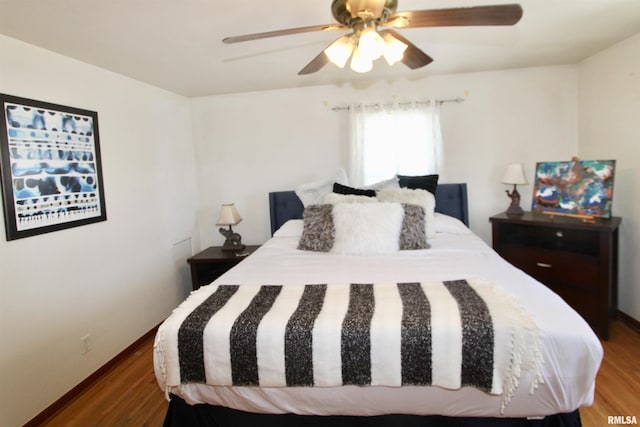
x,y
366,42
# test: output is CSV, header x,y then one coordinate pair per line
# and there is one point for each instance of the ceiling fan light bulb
x,y
394,49
340,50
360,63
371,45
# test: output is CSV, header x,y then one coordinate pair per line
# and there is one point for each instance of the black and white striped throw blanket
x,y
450,334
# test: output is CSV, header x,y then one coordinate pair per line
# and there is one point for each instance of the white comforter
x,y
571,353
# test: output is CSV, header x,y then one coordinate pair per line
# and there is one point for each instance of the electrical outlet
x,y
86,343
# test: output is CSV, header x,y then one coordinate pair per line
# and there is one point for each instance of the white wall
x,y
249,144
609,112
116,279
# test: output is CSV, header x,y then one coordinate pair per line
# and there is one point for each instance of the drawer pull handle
x,y
543,265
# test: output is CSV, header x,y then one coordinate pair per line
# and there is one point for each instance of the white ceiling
x,y
176,44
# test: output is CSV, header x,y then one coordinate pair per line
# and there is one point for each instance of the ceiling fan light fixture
x,y
366,44
370,44
393,49
340,50
360,63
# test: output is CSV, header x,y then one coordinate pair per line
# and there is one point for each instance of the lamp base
x,y
232,247
514,208
233,242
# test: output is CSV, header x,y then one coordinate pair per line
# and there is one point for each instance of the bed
x,y
557,353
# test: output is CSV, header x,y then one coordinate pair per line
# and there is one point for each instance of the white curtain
x,y
403,139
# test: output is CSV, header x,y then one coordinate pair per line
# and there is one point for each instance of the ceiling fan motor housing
x,y
348,12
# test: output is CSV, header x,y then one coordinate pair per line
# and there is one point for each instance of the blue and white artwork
x,y
51,167
582,188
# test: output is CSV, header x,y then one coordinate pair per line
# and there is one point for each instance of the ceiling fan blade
x,y
506,14
413,57
316,63
298,30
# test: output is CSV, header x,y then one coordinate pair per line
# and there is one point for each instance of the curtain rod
x,y
391,104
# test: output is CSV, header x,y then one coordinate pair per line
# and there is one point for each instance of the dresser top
x,y
554,220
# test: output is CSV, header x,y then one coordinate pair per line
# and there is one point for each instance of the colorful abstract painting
x,y
579,187
51,173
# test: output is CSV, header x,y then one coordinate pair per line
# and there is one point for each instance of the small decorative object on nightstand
x,y
514,175
229,215
211,263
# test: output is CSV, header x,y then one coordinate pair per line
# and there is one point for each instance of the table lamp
x,y
229,216
514,175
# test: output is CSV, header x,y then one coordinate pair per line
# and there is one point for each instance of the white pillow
x,y
448,224
291,228
413,197
367,229
393,182
313,193
333,198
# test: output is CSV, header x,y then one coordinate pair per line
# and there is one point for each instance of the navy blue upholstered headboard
x,y
451,199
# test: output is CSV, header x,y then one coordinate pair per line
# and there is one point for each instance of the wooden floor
x,y
129,394
618,381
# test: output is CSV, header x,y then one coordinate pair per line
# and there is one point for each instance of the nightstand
x,y
577,260
211,263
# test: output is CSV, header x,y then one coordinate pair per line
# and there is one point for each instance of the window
x,y
403,140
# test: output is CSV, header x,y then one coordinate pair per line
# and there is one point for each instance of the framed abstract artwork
x,y
580,188
51,170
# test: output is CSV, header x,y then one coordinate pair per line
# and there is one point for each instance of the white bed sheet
x,y
570,350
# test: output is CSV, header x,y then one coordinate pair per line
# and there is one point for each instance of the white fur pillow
x,y
366,229
413,197
333,198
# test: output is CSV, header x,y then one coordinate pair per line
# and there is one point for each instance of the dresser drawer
x,y
554,267
558,238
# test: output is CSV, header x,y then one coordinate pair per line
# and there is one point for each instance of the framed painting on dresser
x,y
578,188
51,169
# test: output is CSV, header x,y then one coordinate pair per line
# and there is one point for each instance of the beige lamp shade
x,y
229,215
514,175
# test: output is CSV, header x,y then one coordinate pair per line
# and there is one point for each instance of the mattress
x,y
570,352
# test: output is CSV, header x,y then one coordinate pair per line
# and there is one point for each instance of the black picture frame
x,y
51,170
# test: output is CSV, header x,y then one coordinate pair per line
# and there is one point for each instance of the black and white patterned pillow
x,y
318,232
413,197
363,229
413,235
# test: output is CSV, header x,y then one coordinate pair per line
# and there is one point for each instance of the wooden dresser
x,y
578,260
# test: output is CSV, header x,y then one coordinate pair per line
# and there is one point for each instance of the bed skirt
x,y
180,414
